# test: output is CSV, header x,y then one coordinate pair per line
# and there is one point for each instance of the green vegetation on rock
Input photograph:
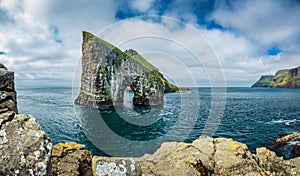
x,y
137,57
107,71
287,78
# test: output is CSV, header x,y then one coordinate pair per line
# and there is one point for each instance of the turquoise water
x,y
254,116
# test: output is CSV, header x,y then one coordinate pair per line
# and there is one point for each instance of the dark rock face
x,y
289,78
7,91
290,142
107,72
285,139
71,159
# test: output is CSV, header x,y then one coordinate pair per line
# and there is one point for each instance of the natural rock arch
x,y
107,71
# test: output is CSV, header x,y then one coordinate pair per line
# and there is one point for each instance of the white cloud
x,y
255,27
43,38
143,5
180,42
31,31
267,22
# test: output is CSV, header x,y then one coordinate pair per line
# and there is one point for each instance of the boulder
x,y
270,164
71,159
115,166
25,149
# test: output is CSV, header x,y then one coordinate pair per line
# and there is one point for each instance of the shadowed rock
x,y
285,139
7,91
292,141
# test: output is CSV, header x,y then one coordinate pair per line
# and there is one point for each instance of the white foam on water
x,y
286,122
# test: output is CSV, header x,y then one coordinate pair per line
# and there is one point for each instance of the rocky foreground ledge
x,y
25,149
205,156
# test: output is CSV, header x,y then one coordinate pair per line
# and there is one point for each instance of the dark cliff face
x,y
107,72
8,94
288,78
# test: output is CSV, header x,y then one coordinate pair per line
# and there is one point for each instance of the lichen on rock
x,y
22,151
205,156
71,159
103,166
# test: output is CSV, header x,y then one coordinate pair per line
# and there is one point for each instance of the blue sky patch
x,y
55,30
273,51
2,53
213,25
199,8
58,40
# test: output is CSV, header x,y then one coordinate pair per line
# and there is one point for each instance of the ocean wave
x,y
166,113
294,142
286,122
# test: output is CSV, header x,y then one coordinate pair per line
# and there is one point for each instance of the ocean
x,y
254,116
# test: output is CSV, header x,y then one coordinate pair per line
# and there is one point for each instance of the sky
x,y
40,40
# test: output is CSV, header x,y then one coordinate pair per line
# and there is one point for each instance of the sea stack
x,y
107,72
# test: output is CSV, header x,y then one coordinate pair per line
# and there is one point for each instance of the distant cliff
x,y
288,78
264,81
107,72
